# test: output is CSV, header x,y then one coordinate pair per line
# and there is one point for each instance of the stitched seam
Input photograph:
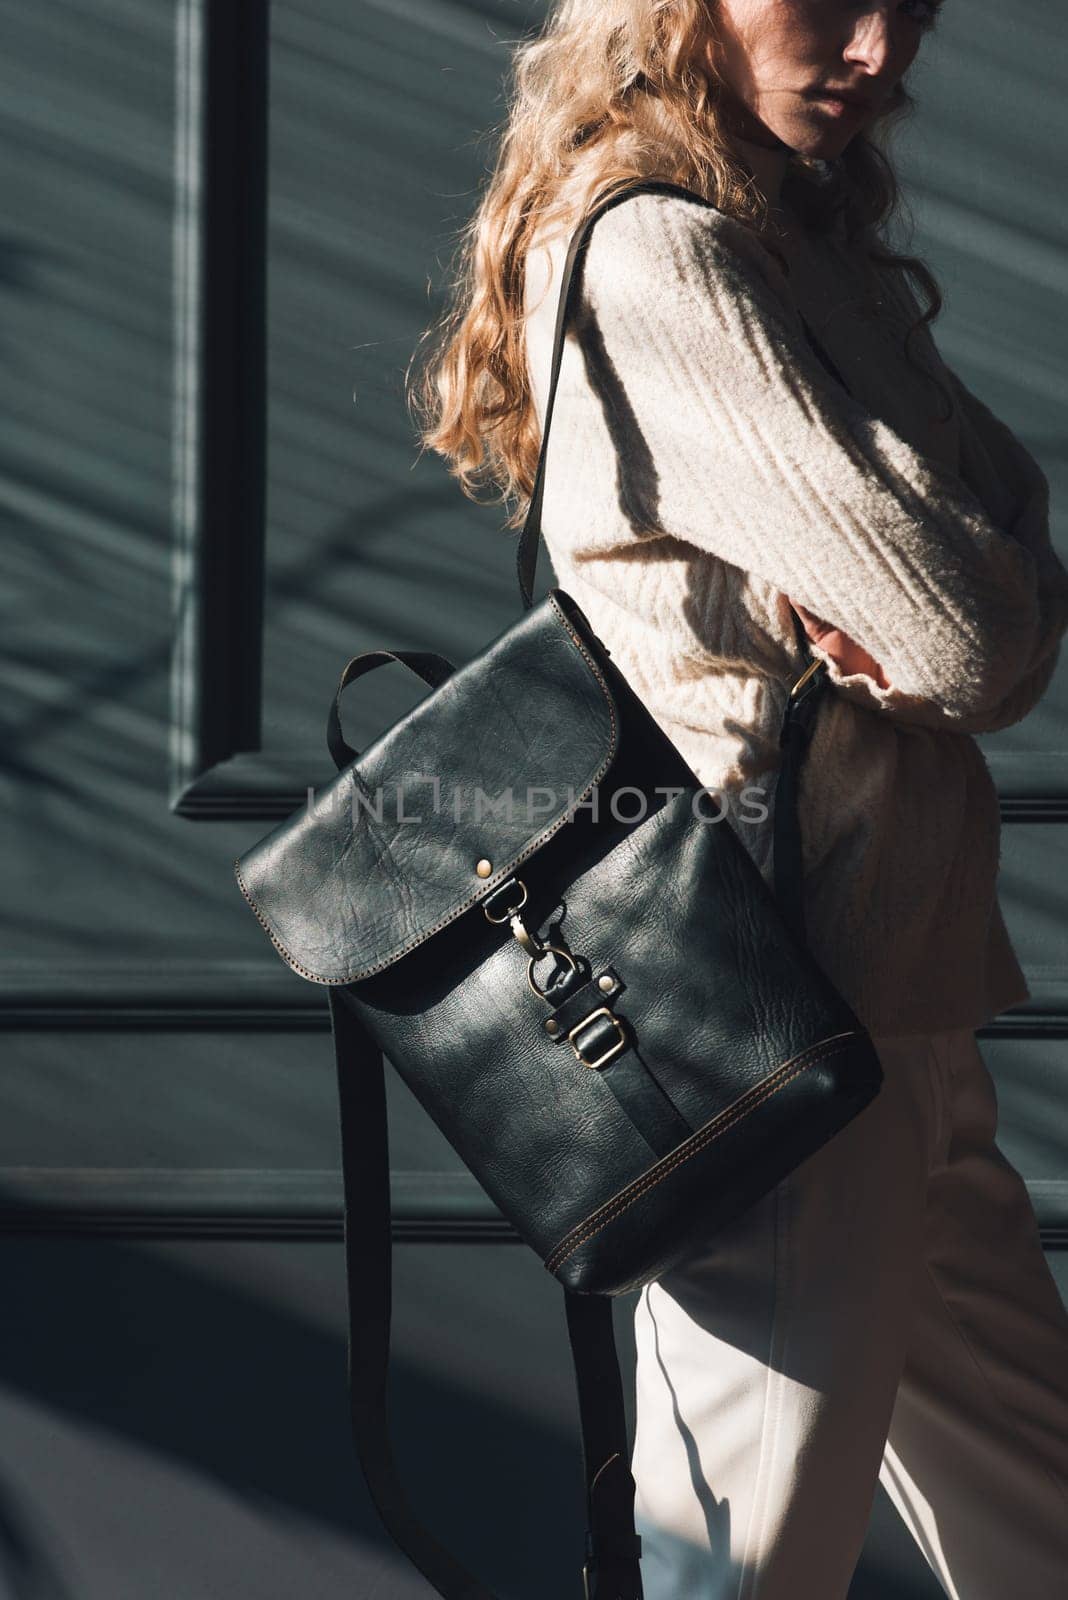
x,y
719,1125
725,1120
490,883
279,946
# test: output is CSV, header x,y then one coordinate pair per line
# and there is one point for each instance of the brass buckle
x,y
510,910
613,1049
548,949
812,667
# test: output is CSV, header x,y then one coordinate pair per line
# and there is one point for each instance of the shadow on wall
x,y
243,1393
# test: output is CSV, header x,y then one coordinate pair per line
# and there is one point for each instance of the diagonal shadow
x,y
250,1395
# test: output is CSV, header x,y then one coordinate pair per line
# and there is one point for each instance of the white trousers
x,y
886,1314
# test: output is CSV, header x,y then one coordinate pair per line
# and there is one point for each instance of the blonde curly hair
x,y
606,92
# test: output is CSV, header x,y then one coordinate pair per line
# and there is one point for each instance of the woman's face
x,y
779,57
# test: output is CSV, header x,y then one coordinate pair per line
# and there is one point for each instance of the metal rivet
x,y
551,1025
484,868
605,981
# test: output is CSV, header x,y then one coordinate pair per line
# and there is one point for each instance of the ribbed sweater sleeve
x,y
748,448
1000,470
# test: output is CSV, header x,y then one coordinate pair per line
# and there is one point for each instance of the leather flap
x,y
371,869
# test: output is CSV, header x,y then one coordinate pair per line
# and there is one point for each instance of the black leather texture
x,y
738,1033
520,895
352,883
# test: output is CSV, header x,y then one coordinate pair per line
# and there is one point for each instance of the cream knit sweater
x,y
703,466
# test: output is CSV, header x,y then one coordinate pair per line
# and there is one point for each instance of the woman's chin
x,y
821,144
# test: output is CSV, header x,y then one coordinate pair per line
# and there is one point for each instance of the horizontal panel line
x,y
110,1016
263,995
257,786
238,1203
1021,1022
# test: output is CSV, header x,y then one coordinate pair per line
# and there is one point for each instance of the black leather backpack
x,y
595,996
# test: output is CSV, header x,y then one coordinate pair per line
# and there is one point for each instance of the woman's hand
x,y
843,651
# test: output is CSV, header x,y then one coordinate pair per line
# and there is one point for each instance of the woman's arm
x,y
762,458
862,680
1014,490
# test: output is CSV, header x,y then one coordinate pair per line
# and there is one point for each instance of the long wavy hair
x,y
609,91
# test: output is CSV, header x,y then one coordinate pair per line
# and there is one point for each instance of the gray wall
x,y
172,1348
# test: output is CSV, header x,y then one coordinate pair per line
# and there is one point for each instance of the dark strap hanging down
x,y
611,1571
613,1549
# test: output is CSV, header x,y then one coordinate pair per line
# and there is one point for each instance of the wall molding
x,y
232,1203
220,367
1032,785
180,1203
255,995
253,786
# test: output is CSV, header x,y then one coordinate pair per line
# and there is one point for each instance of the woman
x,y
887,1311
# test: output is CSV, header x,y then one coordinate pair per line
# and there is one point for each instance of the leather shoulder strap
x,y
799,711
527,552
